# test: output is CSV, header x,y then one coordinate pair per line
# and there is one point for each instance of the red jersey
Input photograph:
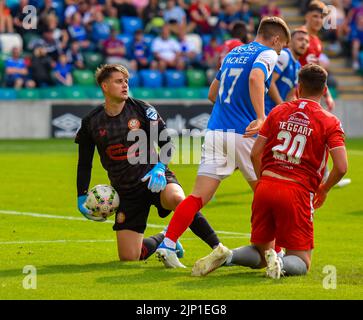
x,y
299,135
227,46
313,52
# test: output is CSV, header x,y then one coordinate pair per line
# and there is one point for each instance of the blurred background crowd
x,y
162,43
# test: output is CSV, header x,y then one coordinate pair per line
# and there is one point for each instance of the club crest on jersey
x,y
102,132
133,124
151,114
120,218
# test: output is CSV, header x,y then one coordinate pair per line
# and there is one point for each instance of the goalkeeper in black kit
x,y
125,130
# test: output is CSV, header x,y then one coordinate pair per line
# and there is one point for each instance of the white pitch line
x,y
50,216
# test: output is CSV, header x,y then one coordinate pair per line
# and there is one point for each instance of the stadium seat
x,y
188,93
148,38
94,92
74,92
10,40
127,40
165,93
83,77
196,78
93,60
174,78
134,80
28,94
7,94
51,93
130,24
143,93
114,23
204,92
151,78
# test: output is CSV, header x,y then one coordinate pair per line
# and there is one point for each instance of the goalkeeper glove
x,y
81,200
157,178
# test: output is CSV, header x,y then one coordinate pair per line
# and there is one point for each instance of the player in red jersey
x,y
239,37
289,157
314,19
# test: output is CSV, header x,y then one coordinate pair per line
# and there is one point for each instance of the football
x,y
102,200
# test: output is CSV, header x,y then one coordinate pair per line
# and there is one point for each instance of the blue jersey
x,y
287,68
233,109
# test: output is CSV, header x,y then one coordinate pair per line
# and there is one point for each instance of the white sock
x,y
169,243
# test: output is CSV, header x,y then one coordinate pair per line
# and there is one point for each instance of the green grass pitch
x,y
77,259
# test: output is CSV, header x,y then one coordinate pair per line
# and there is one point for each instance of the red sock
x,y
277,248
183,217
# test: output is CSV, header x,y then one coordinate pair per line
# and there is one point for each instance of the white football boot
x,y
273,269
212,261
168,256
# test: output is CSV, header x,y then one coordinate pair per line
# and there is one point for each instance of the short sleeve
x,y
266,61
336,136
266,127
282,62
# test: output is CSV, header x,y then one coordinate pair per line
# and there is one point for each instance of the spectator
x,y
245,15
270,9
357,42
47,10
141,52
115,52
63,71
125,8
101,30
6,21
189,52
41,67
75,56
153,17
167,51
227,17
78,32
19,16
200,13
175,16
140,6
16,71
59,35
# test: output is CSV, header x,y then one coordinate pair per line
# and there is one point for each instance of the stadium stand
x,y
138,27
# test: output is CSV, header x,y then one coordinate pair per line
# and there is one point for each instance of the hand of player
x,y
330,104
81,200
253,128
156,176
320,196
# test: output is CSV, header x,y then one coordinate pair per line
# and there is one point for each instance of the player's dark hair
x,y
318,6
104,72
312,79
270,26
239,31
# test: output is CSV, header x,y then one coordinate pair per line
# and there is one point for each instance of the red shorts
x,y
282,210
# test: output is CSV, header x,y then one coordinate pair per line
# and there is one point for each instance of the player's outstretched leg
x,y
168,255
212,261
150,244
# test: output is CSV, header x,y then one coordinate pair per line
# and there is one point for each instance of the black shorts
x,y
134,207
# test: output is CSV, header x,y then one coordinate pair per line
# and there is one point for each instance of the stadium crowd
x,y
74,36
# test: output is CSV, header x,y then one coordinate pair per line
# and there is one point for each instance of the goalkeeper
x,y
138,173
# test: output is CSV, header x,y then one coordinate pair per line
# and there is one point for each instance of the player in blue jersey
x,y
238,92
285,75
